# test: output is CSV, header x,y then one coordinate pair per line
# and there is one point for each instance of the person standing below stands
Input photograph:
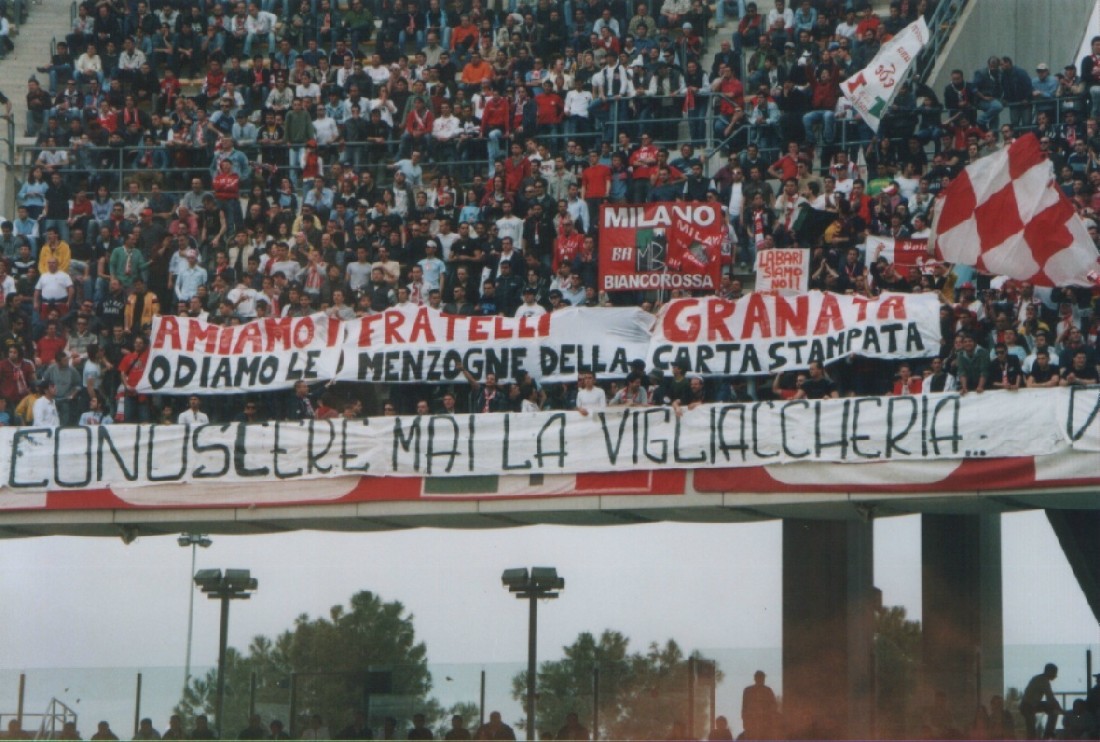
x,y
759,709
1039,698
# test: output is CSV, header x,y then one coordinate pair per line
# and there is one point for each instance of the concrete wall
x,y
1029,31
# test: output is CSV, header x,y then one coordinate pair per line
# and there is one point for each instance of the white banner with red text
x,y
417,344
758,334
840,431
189,356
902,254
767,333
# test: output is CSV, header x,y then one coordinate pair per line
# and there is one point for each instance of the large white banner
x,y
766,333
872,89
846,431
758,334
191,356
417,344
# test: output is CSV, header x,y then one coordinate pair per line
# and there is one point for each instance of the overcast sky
x,y
72,602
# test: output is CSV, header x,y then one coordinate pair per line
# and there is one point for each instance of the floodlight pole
x,y
531,585
234,584
194,540
532,652
222,641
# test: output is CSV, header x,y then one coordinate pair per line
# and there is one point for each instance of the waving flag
x,y
1005,215
872,89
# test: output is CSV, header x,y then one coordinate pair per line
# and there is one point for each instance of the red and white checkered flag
x,y
1007,216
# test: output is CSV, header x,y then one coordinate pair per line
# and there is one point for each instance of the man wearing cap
x,y
1092,700
1044,88
530,307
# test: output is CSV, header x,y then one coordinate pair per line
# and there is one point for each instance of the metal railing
x,y
943,22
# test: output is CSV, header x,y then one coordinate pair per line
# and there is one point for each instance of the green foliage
x,y
897,655
331,657
640,694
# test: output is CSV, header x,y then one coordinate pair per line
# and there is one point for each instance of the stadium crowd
x,y
456,154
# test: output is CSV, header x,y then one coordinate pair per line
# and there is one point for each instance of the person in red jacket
x,y
825,94
567,246
496,124
16,376
418,129
517,169
135,407
227,189
551,110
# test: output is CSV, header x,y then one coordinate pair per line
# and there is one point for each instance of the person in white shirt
x,y
89,66
432,267
377,72
589,396
281,262
529,307
576,104
780,20
259,26
509,225
193,415
53,286
131,59
243,298
445,130
45,407
325,128
848,26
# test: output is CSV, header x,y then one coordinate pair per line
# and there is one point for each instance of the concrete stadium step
x,y
46,20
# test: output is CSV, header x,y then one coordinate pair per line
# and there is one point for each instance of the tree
x,y
332,657
897,659
640,695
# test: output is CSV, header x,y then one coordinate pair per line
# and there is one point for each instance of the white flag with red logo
x,y
1007,216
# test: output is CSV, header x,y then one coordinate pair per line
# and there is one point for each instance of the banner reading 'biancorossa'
x,y
758,334
660,246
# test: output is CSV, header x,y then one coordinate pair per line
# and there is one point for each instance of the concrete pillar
x,y
828,629
963,631
1076,531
